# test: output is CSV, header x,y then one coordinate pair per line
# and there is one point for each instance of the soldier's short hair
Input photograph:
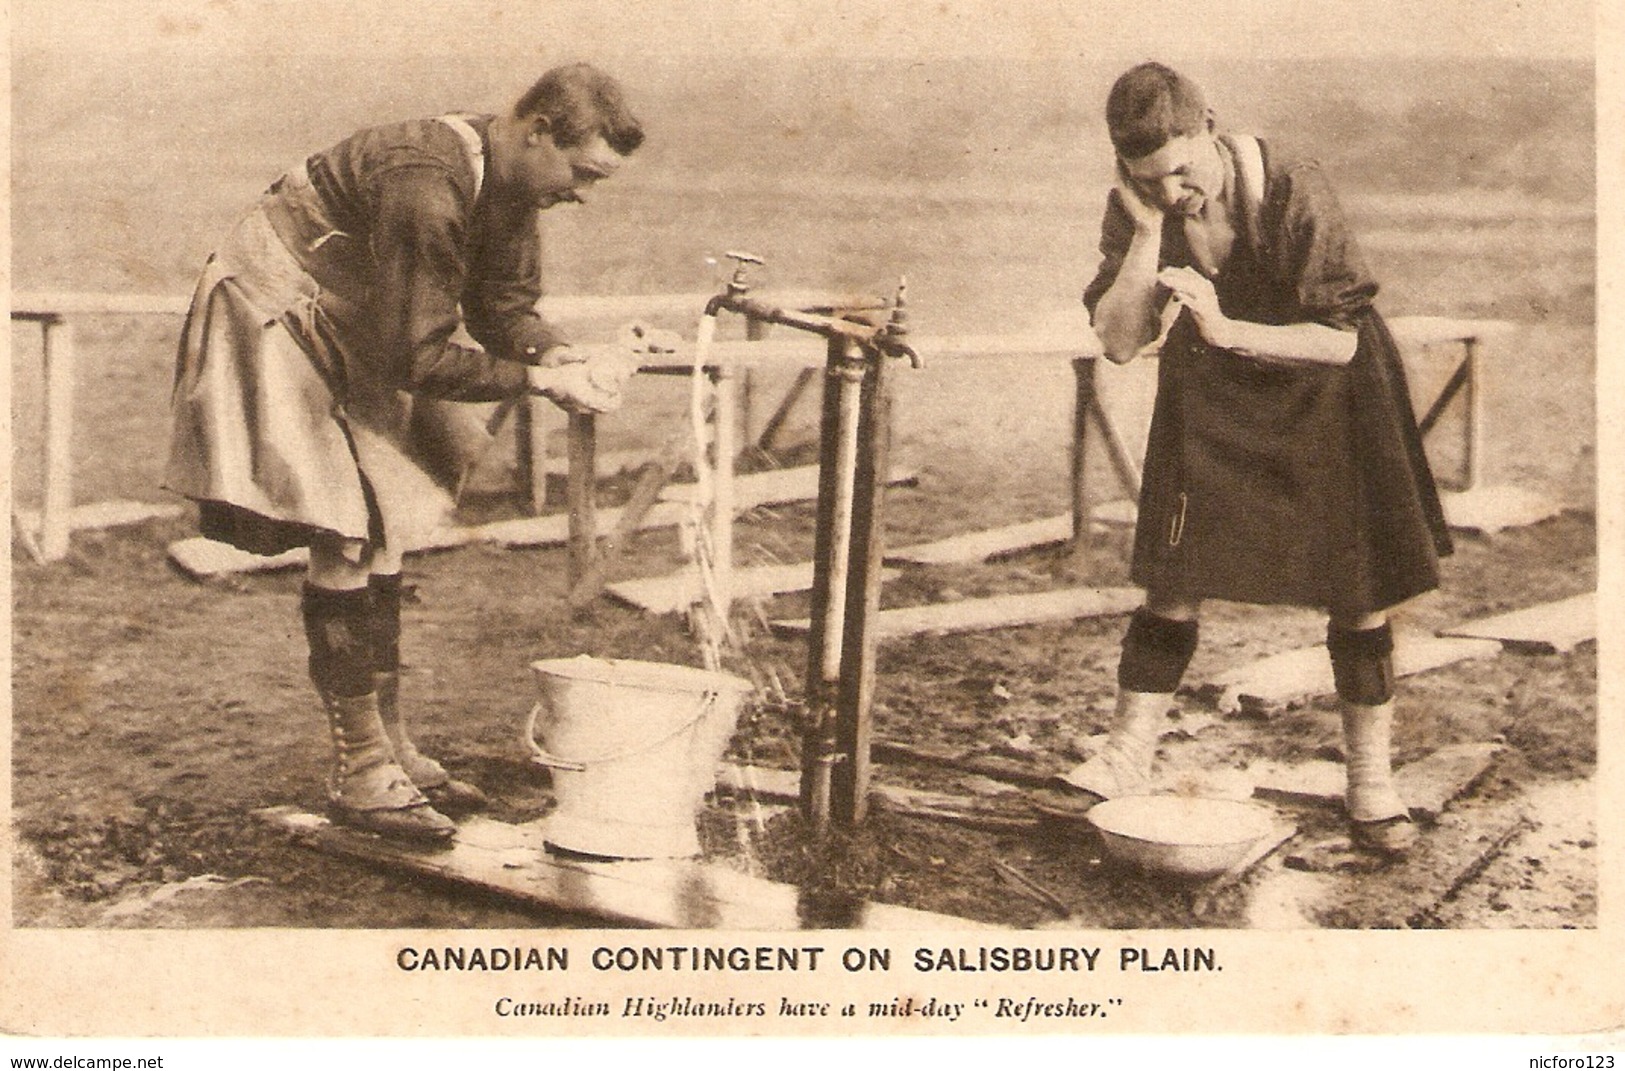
x,y
578,100
1151,104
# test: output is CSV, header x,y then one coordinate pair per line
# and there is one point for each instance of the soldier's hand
x,y
1141,209
575,387
610,367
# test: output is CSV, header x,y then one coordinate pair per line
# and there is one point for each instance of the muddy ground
x,y
153,715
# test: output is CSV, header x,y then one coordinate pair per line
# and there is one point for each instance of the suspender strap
x,y
474,146
1249,159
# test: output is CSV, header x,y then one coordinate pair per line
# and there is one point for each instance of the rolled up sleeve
x,y
1320,258
1116,232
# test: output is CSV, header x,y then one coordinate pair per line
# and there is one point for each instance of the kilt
x,y
281,433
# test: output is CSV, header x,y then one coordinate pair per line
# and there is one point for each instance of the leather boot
x,y
440,787
367,789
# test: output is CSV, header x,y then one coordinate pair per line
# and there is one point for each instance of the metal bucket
x,y
633,747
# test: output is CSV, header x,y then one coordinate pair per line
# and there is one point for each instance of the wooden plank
x,y
1307,672
37,304
802,350
1319,781
1010,539
1203,897
512,861
202,558
1432,330
1006,814
607,306
999,611
776,487
678,591
1549,628
972,812
1494,507
109,514
1013,771
47,303
1427,785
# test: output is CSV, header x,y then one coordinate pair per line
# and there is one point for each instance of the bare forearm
x,y
1305,343
1126,319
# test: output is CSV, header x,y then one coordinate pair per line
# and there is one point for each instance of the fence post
x,y
1475,415
582,494
1083,369
530,433
57,496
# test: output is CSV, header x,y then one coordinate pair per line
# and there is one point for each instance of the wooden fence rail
x,y
729,367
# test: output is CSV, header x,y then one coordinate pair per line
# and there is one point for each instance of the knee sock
x,y
338,628
386,621
1362,663
1156,651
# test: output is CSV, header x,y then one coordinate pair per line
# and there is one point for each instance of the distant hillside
x,y
123,175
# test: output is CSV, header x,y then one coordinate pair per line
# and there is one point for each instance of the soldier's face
x,y
551,175
1181,177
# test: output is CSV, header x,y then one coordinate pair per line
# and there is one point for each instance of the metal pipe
x,y
848,376
854,722
819,740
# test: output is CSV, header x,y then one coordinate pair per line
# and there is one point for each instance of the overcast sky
x,y
906,29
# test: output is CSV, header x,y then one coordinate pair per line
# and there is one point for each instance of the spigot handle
x,y
893,339
739,284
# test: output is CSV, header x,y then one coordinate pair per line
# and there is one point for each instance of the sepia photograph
x,y
993,516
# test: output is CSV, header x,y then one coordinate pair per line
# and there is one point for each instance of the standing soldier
x,y
1284,465
322,340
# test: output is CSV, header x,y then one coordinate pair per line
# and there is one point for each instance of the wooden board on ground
x,y
1427,785
999,611
1431,782
1550,628
202,558
677,592
109,514
775,487
1491,508
1002,813
1307,672
1318,781
980,546
1204,895
1446,860
1013,771
512,861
